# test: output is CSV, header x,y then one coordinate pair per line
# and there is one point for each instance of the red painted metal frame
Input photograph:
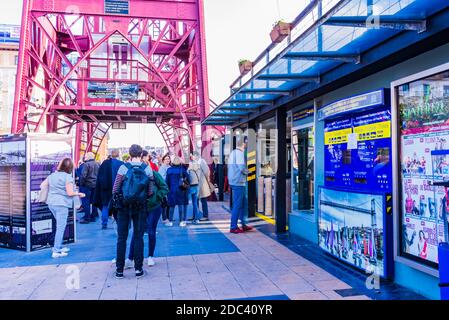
x,y
60,41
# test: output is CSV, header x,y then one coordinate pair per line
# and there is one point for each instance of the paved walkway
x,y
198,262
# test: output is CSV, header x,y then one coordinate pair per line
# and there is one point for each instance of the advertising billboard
x,y
351,227
357,151
424,127
13,192
46,153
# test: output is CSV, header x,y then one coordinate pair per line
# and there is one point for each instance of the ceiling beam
x,y
289,77
320,56
377,22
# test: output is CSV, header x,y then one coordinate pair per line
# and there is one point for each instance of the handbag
x,y
183,184
77,202
43,193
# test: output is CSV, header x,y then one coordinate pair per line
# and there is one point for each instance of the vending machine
x,y
26,160
355,202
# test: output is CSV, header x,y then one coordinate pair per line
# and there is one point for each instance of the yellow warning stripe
x,y
250,178
251,154
253,161
252,169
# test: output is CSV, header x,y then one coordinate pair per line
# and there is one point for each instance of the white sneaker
x,y
169,224
129,264
182,224
113,261
59,254
165,221
65,249
150,261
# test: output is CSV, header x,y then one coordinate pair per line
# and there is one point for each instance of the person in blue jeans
x,y
155,212
59,200
194,176
105,181
237,176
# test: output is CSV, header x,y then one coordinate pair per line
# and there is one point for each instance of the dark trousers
x,y
165,213
89,213
138,218
152,220
204,207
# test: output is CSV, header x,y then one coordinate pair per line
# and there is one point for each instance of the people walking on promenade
x,y
155,208
165,164
133,186
88,181
105,181
194,171
178,183
61,191
237,176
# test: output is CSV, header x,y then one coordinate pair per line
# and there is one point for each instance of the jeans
x,y
60,213
239,206
89,214
105,215
138,218
194,194
182,209
204,207
152,220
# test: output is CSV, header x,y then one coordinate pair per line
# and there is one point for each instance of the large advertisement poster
x,y
357,153
13,193
351,228
424,127
45,157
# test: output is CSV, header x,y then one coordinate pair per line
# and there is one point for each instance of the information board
x,y
116,7
45,157
358,151
13,192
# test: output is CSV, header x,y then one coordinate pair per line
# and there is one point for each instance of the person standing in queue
x,y
133,187
61,192
105,181
194,171
237,176
178,183
204,186
88,181
165,165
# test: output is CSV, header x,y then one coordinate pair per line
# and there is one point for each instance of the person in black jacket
x,y
105,181
88,181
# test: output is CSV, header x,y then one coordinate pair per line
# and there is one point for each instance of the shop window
x,y
303,148
423,117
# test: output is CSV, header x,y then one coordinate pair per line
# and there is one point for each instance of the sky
x,y
235,29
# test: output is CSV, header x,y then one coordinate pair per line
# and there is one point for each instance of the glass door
x,y
303,150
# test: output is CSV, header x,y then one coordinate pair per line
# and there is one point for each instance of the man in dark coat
x,y
88,180
105,181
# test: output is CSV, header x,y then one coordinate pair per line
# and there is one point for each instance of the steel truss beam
x,y
59,41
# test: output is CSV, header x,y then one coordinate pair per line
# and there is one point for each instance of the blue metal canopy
x,y
327,36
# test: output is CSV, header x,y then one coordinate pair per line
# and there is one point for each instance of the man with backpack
x,y
133,187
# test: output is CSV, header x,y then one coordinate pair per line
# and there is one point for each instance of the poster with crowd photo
x,y
424,127
13,192
46,153
351,228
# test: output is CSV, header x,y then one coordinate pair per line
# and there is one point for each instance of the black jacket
x,y
89,174
103,188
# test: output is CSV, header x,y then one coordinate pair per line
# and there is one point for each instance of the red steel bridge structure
x,y
87,64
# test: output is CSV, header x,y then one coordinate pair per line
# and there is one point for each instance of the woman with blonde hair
x,y
178,183
59,200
